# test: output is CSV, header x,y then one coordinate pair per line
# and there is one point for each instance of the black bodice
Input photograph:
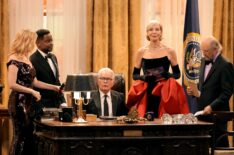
x,y
155,66
26,73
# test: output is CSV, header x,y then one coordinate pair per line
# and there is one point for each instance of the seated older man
x,y
106,102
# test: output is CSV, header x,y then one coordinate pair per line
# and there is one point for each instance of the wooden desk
x,y
111,138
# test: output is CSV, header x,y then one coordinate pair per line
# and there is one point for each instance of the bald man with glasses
x,y
215,86
104,101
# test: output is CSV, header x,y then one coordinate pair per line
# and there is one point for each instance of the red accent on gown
x,y
173,98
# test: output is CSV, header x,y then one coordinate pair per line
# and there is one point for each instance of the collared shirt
x,y
102,97
52,66
208,67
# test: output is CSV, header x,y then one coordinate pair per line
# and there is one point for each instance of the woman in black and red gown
x,y
154,59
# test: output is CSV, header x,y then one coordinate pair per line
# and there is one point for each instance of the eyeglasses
x,y
105,79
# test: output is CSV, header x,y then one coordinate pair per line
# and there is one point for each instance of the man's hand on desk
x,y
207,110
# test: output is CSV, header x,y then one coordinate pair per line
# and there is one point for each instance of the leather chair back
x,y
223,116
119,84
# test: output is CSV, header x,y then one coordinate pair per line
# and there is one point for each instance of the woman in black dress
x,y
155,60
21,80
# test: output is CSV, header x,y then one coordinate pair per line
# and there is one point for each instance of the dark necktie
x,y
207,62
49,55
106,111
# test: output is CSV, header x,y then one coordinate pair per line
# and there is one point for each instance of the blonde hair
x,y
23,43
151,23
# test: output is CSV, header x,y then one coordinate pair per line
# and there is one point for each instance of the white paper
x,y
199,113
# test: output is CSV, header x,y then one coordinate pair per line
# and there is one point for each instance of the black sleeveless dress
x,y
21,111
154,67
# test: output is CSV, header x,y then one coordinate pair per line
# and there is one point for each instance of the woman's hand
x,y
37,95
166,75
149,78
192,90
56,88
189,91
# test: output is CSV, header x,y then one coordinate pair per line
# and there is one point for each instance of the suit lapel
x,y
96,98
44,64
114,103
210,72
215,64
55,65
202,72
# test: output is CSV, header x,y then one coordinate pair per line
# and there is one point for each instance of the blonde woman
x,y
154,59
21,80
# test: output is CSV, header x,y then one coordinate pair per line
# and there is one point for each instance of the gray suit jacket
x,y
118,104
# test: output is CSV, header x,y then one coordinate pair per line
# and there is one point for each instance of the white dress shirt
x,y
208,67
207,70
49,61
108,98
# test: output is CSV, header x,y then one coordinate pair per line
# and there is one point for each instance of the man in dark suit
x,y
46,66
215,82
106,102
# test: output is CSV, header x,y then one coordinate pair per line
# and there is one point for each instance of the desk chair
x,y
223,116
119,86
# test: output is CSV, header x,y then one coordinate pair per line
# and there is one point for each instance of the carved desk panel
x,y
111,138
